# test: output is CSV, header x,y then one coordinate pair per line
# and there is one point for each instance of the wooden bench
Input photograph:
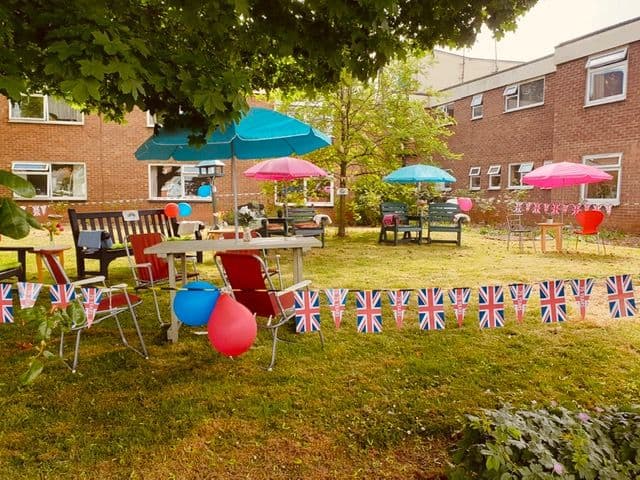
x,y
299,221
441,218
18,268
153,220
394,217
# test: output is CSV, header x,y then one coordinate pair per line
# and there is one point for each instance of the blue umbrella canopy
x,y
419,173
261,133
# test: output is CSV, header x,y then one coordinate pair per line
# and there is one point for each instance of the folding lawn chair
x,y
245,275
115,300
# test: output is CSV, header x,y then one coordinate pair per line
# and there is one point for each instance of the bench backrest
x,y
397,209
150,221
301,214
442,212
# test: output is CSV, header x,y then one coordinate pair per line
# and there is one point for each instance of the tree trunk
x,y
342,202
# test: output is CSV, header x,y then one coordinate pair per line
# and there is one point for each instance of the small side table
x,y
57,250
554,226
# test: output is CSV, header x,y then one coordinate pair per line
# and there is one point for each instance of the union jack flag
x,y
307,306
368,311
28,293
520,293
6,303
553,306
431,308
61,295
620,296
90,301
491,306
399,299
337,298
581,289
460,299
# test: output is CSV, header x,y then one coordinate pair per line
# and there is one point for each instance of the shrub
x,y
507,444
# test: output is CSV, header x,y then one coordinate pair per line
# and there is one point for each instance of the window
x,y
516,172
316,192
524,95
56,181
494,177
444,186
606,77
476,107
153,119
45,109
604,193
474,178
447,108
175,181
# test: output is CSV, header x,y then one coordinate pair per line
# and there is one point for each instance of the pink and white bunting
x,y
581,288
460,300
337,298
28,293
90,301
520,293
399,300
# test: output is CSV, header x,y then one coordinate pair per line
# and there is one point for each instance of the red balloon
x,y
171,210
232,327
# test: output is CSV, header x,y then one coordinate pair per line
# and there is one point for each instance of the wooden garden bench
x,y
17,268
300,221
395,218
441,217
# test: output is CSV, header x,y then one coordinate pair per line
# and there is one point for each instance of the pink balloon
x,y
465,204
232,327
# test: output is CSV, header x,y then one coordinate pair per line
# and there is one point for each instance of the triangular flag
x,y
460,300
491,306
620,296
307,308
399,300
520,293
337,298
553,306
368,311
6,303
581,288
28,293
431,308
90,301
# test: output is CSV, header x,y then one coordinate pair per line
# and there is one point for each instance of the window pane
x,y
476,112
39,181
60,111
319,190
512,102
494,181
476,100
475,182
531,93
511,90
191,183
604,190
525,167
474,171
68,181
30,107
166,181
602,162
607,83
515,177
607,58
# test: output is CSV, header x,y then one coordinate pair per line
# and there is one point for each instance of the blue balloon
x,y
184,209
194,305
204,191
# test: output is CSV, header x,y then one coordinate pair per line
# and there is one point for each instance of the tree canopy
x,y
197,61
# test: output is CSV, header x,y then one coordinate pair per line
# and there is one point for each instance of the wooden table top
x,y
184,246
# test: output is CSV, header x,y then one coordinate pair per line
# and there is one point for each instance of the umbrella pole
x,y
234,185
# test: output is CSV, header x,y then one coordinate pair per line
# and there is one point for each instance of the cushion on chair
x,y
118,300
306,225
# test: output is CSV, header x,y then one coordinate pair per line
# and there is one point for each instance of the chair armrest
x,y
293,288
89,281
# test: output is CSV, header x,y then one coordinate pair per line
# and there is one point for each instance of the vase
x,y
246,234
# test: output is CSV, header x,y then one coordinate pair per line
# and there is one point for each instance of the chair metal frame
x,y
244,276
115,300
594,232
516,227
143,272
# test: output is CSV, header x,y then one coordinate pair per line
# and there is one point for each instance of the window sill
x,y
613,203
605,101
475,189
524,108
494,188
519,187
476,118
43,122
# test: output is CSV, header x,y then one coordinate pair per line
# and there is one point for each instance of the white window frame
x,y
601,63
523,167
444,186
45,113
493,172
608,168
307,203
182,166
449,118
151,119
512,91
45,169
477,110
474,172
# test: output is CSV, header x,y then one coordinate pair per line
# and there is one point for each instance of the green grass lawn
x,y
365,406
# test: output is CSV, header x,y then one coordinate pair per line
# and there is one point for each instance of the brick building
x,y
580,104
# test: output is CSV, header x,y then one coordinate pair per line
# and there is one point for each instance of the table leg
x,y
543,241
559,240
297,265
61,257
39,267
172,332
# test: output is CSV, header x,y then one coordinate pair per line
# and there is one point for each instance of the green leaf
x,y
92,68
35,369
13,220
12,86
17,184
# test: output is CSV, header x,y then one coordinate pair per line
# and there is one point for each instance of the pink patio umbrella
x,y
284,169
564,174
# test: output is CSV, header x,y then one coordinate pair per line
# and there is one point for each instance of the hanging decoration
x,y
620,296
431,308
307,309
520,293
6,303
337,298
399,300
91,301
581,289
62,295
491,306
28,293
368,311
460,300
553,306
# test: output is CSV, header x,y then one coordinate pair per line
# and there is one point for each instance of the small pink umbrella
x,y
564,174
284,168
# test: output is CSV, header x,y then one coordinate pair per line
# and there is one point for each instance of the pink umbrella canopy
x,y
564,174
284,168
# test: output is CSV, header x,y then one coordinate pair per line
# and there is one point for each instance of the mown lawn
x,y
365,406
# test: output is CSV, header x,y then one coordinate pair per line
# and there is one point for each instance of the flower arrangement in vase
x,y
53,226
246,217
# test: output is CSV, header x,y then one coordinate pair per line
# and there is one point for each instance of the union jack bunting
x,y
520,293
368,311
61,295
6,303
399,300
307,307
337,298
28,293
90,301
460,299
491,306
620,296
581,289
431,308
553,306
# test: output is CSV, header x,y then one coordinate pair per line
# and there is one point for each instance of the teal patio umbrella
x,y
418,174
260,133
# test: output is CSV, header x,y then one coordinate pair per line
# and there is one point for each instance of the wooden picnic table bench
x,y
441,217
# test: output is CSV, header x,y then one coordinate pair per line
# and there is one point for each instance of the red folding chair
x,y
115,300
589,221
244,275
150,270
272,271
